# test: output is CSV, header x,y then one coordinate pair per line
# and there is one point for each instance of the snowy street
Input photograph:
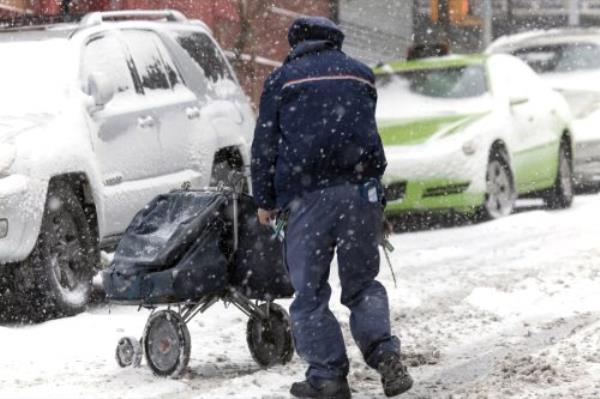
x,y
501,309
162,152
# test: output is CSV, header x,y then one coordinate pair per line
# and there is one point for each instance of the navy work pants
x,y
337,218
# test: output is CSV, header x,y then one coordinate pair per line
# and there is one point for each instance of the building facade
x,y
462,23
376,31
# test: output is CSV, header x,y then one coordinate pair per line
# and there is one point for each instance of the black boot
x,y
326,389
394,376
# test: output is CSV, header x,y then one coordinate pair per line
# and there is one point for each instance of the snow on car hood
x,y
12,125
409,118
419,131
33,78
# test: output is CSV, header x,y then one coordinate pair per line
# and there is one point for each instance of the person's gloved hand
x,y
265,216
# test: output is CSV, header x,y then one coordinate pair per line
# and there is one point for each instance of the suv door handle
x,y
192,112
146,122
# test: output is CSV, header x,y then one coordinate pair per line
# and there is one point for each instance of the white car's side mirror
x,y
514,101
101,89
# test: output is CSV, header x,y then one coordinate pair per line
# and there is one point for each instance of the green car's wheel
x,y
500,189
560,196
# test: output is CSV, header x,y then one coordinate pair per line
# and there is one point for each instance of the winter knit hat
x,y
315,28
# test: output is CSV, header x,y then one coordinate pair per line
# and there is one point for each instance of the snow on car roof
x,y
66,30
449,61
541,37
153,24
37,33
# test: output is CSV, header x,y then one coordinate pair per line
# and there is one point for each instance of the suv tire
x,y
60,268
222,169
220,173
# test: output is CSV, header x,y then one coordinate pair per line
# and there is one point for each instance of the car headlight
x,y
8,153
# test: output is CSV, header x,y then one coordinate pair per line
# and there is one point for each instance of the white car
x,y
471,134
569,61
96,119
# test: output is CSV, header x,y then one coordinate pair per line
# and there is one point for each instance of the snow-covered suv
x,y
97,118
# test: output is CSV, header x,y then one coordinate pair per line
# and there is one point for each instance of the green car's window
x,y
457,82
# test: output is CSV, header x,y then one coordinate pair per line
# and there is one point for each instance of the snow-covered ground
x,y
504,309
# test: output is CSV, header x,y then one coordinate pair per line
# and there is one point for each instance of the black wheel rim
x,y
67,258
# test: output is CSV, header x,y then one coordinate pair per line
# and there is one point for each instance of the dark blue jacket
x,y
316,126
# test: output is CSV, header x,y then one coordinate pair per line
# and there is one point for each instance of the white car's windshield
x,y
432,92
561,58
32,80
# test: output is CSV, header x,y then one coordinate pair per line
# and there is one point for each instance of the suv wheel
x,y
60,268
220,173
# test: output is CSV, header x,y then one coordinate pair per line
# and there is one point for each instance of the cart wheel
x,y
270,341
167,344
129,352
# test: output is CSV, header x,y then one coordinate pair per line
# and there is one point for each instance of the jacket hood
x,y
315,29
309,46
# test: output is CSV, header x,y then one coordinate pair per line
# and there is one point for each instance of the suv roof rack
x,y
96,18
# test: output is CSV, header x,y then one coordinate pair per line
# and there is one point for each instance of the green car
x,y
470,134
